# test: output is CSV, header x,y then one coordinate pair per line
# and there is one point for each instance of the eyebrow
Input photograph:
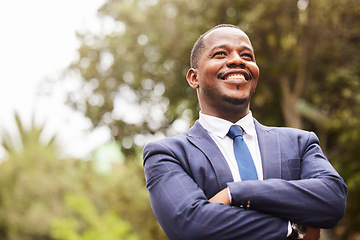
x,y
225,46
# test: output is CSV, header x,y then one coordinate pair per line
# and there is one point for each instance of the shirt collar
x,y
220,127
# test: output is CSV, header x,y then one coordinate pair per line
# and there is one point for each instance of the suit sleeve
x,y
184,211
318,198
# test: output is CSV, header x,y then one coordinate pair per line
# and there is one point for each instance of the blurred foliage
x,y
93,227
44,197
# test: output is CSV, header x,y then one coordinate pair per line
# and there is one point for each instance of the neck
x,y
229,115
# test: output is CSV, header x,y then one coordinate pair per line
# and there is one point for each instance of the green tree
x,y
127,196
306,52
41,194
90,225
31,184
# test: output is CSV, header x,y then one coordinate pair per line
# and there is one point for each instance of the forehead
x,y
226,36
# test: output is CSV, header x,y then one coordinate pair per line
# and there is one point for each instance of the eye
x,y
219,54
247,56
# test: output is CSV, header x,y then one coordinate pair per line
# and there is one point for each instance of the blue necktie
x,y
242,154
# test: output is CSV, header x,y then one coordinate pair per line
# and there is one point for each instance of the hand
x,y
312,233
221,197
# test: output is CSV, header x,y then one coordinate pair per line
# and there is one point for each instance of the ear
x,y
192,79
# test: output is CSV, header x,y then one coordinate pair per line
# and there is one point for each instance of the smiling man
x,y
229,177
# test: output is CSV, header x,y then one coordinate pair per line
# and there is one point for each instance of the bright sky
x,y
37,42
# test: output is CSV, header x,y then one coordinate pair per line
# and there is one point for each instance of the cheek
x,y
255,70
211,67
208,75
253,86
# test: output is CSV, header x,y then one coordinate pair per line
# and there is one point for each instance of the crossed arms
x,y
181,203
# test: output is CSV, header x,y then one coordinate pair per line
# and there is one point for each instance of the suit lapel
x,y
198,136
269,150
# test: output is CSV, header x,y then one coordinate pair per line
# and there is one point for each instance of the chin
x,y
236,101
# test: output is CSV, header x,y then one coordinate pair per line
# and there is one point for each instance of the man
x,y
195,187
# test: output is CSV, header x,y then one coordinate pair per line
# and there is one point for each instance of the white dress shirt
x,y
218,129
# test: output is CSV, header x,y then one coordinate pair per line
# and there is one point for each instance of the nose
x,y
235,61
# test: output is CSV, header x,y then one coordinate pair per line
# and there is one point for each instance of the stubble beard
x,y
213,93
235,101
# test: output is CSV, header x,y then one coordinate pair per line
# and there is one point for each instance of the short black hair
x,y
199,46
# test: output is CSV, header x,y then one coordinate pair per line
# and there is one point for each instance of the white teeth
x,y
235,76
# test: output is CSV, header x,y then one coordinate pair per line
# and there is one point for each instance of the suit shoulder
x,y
178,141
292,133
166,141
167,145
282,130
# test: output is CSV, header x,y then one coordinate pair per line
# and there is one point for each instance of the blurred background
x,y
85,84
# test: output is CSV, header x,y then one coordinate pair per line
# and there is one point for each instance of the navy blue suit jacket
x,y
299,185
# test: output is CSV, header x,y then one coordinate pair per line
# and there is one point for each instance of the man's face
x,y
227,73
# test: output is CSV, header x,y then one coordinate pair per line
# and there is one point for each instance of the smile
x,y
243,75
235,76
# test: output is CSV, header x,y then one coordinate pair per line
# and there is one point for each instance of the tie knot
x,y
235,131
